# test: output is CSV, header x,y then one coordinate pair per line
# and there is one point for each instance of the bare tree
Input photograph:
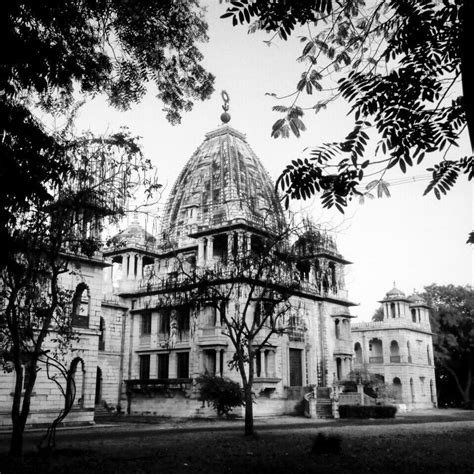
x,y
36,311
251,292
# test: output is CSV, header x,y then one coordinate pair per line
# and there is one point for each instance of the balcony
x,y
376,360
165,386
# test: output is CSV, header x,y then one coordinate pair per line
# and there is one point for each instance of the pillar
x,y
263,372
230,245
240,238
200,259
249,242
139,267
210,250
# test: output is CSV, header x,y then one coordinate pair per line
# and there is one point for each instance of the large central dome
x,y
222,183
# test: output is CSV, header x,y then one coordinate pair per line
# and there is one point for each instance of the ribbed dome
x,y
395,293
222,182
133,235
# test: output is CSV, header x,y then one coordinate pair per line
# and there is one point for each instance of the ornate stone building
x,y
400,349
143,342
155,344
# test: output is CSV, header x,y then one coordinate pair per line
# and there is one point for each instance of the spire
x,y
225,116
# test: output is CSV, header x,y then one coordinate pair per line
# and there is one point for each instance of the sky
x,y
408,239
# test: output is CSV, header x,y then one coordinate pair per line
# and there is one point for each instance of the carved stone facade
x,y
400,349
221,208
142,344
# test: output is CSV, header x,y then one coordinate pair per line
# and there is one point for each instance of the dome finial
x,y
225,117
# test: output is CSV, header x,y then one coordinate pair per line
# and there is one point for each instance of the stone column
x,y
210,250
249,242
263,372
240,238
139,267
200,257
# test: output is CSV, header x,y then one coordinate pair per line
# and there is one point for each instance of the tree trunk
x,y
16,441
19,417
249,431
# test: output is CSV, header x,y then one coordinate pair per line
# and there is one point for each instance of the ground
x,y
440,441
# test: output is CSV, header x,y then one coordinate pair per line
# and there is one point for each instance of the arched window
x,y
339,368
394,352
409,352
332,270
337,328
358,353
397,389
102,334
393,311
376,351
81,306
78,374
413,315
412,391
428,355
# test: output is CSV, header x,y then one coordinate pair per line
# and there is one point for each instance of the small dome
x,y
313,241
416,299
133,235
395,293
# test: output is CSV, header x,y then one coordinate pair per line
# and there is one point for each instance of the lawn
x,y
436,447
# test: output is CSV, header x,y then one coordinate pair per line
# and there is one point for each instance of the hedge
x,y
367,411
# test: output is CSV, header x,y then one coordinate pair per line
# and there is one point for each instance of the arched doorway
x,y
78,373
397,389
98,386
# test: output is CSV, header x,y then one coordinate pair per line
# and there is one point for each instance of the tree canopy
x,y
55,52
452,321
400,65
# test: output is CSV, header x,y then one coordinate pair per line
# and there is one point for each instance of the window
x,y
182,359
165,322
163,365
146,323
80,306
145,367
358,353
338,329
183,320
422,384
102,334
413,315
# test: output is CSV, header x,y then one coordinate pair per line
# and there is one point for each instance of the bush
x,y
367,411
223,393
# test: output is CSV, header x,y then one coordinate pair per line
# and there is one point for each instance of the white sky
x,y
409,239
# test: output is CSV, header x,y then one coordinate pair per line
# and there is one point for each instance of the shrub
x,y
223,393
367,411
324,444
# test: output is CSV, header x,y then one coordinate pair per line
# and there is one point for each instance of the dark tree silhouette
x,y
399,63
36,314
56,49
452,320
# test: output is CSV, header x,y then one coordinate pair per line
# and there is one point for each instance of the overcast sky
x,y
409,239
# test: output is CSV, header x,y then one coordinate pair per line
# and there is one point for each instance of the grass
x,y
436,447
